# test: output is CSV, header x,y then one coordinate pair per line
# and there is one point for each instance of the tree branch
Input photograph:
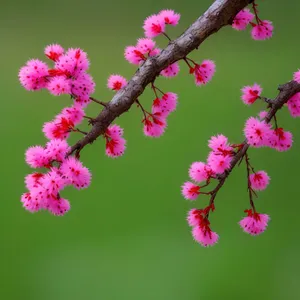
x,y
286,91
220,13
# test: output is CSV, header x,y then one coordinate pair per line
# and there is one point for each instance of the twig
x,y
99,102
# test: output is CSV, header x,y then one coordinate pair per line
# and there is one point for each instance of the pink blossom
x,y
133,55
262,114
155,127
190,191
251,93
36,157
115,147
259,180
74,62
59,128
165,105
171,71
257,132
36,199
254,223
116,82
33,180
83,86
53,182
262,31
57,149
296,76
194,217
74,114
280,140
58,206
219,144
294,105
33,75
218,163
205,237
199,172
59,85
203,73
136,54
114,131
75,173
154,52
29,203
170,101
145,46
115,143
82,102
170,17
242,19
154,26
54,51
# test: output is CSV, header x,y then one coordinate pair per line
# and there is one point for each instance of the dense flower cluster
x,y
261,29
44,189
68,76
218,162
259,132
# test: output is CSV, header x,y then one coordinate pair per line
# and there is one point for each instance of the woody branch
x,y
219,14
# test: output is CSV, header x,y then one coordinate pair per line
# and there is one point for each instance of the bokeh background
x,y
126,236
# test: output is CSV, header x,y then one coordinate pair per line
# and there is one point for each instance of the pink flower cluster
x,y
204,72
218,162
115,143
145,48
251,93
69,76
197,219
294,105
44,189
259,180
261,30
261,134
155,122
156,24
254,223
116,82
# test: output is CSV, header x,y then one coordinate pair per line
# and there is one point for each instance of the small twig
x,y
275,121
78,130
267,100
154,89
186,61
250,190
99,102
167,36
91,120
255,10
142,108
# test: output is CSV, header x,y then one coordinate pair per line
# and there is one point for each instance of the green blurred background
x,y
126,236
